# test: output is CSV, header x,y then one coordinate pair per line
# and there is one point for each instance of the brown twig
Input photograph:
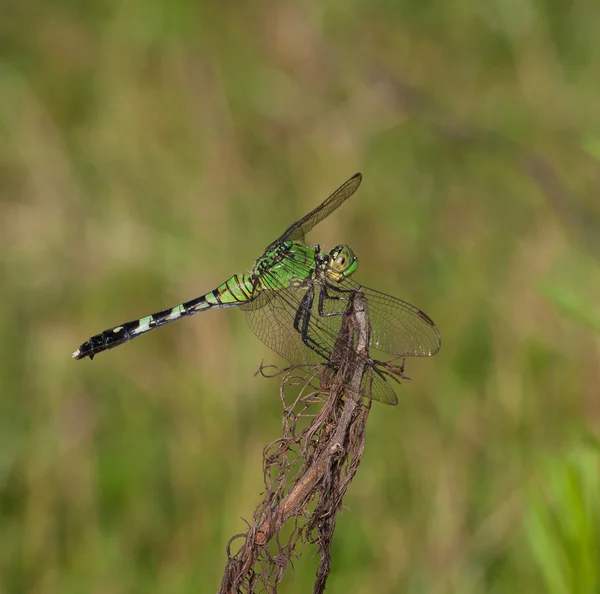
x,y
329,453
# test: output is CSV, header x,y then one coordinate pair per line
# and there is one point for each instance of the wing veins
x,y
300,228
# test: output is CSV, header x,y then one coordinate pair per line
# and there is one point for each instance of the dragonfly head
x,y
342,262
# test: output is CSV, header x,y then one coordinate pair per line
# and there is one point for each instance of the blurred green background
x,y
149,150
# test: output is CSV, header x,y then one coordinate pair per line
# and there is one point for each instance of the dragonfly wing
x,y
377,387
272,316
397,327
299,229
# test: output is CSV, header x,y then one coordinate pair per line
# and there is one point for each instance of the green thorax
x,y
289,264
292,263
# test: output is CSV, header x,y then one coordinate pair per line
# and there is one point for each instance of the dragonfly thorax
x,y
341,263
289,264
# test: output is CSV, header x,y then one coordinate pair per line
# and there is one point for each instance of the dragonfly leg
x,y
325,295
302,322
305,306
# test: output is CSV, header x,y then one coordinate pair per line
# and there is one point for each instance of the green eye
x,y
342,262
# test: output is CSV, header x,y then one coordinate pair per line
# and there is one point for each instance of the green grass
x,y
150,150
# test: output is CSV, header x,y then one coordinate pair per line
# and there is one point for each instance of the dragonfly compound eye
x,y
342,261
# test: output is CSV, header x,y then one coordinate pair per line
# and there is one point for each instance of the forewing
x,y
271,317
397,327
299,229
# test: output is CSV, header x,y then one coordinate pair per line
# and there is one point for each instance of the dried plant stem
x,y
330,452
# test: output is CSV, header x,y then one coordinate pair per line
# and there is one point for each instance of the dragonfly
x,y
293,299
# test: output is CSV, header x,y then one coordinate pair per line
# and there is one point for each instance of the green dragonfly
x,y
294,299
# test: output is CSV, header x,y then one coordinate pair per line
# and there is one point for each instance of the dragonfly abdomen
x,y
237,290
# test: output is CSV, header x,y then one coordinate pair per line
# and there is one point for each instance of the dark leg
x,y
305,306
302,322
325,295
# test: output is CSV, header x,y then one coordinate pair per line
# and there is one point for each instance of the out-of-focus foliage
x,y
148,150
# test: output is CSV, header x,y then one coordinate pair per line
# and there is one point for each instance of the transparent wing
x,y
397,327
271,317
298,230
